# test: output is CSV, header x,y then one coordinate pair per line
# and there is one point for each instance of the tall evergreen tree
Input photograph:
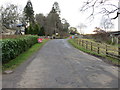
x,y
65,25
41,32
53,22
29,12
56,7
36,29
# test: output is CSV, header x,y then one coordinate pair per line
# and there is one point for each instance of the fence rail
x,y
99,48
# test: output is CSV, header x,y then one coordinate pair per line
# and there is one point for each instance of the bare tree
x,y
106,23
104,7
81,27
9,15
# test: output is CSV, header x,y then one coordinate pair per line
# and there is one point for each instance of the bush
x,y
33,29
11,48
41,32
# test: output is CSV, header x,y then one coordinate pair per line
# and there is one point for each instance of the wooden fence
x,y
99,48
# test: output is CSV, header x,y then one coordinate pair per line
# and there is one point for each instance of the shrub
x,y
33,29
41,32
11,48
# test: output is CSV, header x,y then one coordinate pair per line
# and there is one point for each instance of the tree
x,y
73,31
41,32
40,19
65,25
56,7
30,29
106,23
81,26
104,7
9,15
33,29
53,23
36,29
99,30
28,12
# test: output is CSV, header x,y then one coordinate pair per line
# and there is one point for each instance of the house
x,y
115,35
21,29
4,31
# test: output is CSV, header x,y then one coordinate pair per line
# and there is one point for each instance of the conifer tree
x,y
29,12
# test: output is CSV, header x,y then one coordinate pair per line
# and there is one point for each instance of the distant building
x,y
21,29
114,35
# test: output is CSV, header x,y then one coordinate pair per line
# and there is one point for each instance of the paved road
x,y
59,65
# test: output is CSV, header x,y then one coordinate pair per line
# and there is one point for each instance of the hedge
x,y
11,48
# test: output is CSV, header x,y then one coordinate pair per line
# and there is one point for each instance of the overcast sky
x,y
70,10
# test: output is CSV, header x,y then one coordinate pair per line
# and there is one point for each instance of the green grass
x,y
23,57
113,60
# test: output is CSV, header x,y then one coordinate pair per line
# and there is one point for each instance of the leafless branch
x,y
116,16
95,4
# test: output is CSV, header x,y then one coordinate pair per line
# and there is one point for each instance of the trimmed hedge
x,y
11,48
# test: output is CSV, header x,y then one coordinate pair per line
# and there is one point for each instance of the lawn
x,y
103,56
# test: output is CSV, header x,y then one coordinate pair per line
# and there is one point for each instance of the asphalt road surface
x,y
59,65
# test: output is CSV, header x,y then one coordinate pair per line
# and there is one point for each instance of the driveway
x,y
59,65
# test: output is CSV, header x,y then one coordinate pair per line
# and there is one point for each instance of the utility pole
x,y
55,27
119,28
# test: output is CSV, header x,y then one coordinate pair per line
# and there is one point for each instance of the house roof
x,y
19,25
116,33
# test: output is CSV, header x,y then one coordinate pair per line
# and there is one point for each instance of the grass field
x,y
112,60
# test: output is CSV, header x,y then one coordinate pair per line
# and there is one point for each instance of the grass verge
x,y
103,57
22,57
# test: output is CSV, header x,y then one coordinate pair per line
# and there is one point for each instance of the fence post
x,y
86,44
106,50
118,46
77,41
119,30
98,49
82,42
91,46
